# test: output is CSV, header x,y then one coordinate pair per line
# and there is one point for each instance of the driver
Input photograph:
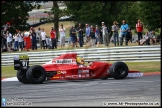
x,y
80,61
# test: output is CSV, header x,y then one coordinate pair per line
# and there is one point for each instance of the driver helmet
x,y
80,60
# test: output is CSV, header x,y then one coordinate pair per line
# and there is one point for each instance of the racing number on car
x,y
24,63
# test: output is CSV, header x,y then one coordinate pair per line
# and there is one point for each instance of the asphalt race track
x,y
87,92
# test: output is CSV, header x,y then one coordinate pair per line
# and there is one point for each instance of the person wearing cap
x,y
105,36
139,29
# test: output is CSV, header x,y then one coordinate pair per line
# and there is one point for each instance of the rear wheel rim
x,y
37,74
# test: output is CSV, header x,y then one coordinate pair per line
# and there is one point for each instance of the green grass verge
x,y
9,71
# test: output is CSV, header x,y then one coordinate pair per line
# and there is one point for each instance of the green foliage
x,y
16,13
150,12
109,11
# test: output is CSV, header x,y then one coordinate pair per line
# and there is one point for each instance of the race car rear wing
x,y
21,62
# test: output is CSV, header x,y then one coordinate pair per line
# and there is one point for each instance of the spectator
x,y
53,38
73,37
20,35
4,42
47,42
97,35
43,38
16,41
80,35
130,34
87,33
124,30
39,36
23,43
153,38
27,41
9,41
62,36
105,37
31,29
92,36
145,39
34,39
115,29
139,29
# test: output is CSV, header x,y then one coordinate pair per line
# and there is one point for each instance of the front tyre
x,y
36,74
21,76
119,70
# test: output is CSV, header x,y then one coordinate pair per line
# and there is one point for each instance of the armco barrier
x,y
128,53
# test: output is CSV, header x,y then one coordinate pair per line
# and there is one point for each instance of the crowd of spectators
x,y
86,34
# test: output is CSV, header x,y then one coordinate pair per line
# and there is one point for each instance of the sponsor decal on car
x,y
83,76
74,76
58,72
23,57
79,75
135,74
16,57
68,76
87,75
64,61
17,65
83,71
61,72
56,77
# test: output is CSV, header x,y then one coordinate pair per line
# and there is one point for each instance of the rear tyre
x,y
21,76
36,74
119,70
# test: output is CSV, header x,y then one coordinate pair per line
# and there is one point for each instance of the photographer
x,y
53,38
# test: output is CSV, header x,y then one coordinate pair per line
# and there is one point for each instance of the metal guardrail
x,y
128,53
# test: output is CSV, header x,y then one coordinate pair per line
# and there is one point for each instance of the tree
x,y
150,14
15,13
56,12
109,11
85,12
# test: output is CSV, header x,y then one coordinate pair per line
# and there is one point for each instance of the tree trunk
x,y
56,18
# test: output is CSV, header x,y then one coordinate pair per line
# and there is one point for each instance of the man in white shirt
x,y
9,40
43,38
62,36
20,35
16,41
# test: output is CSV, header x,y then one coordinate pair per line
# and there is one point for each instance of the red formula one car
x,y
68,67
